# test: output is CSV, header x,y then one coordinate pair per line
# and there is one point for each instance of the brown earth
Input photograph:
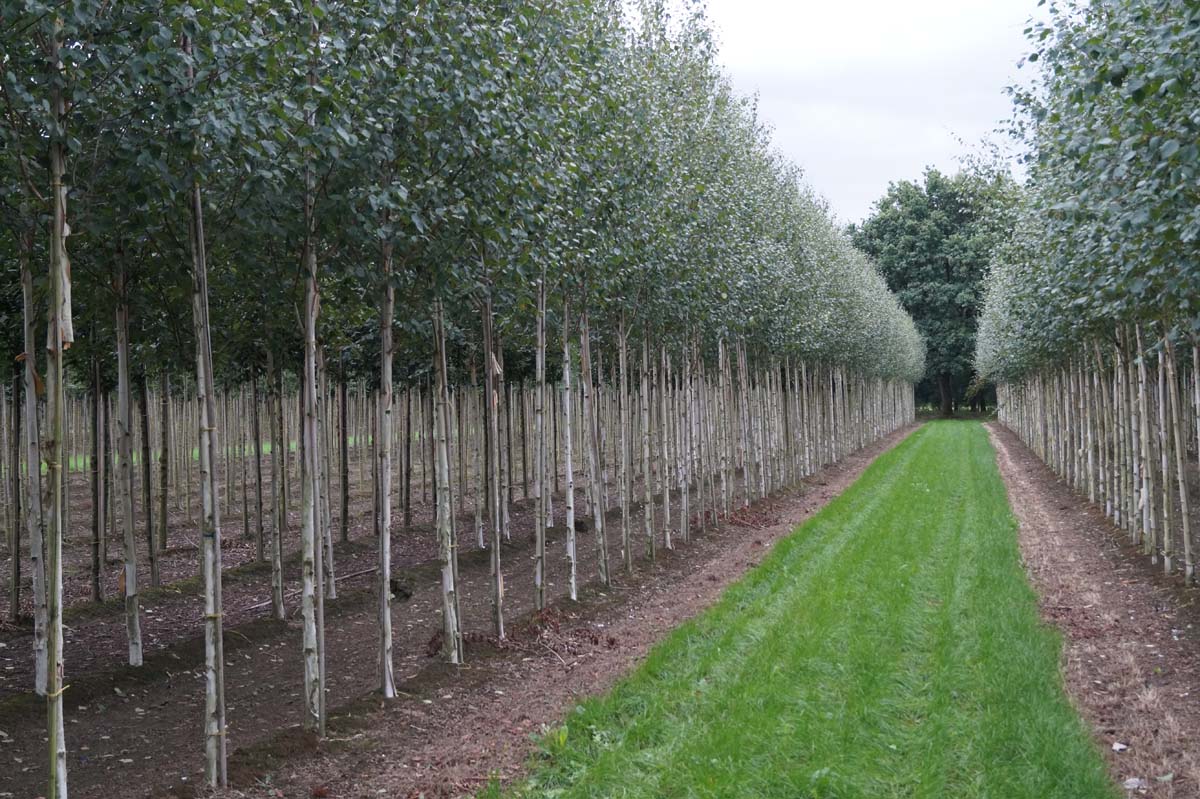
x,y
141,729
1131,657
94,634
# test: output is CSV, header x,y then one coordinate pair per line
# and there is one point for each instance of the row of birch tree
x,y
544,221
1091,322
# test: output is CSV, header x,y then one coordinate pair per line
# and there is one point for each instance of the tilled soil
x,y
453,726
1131,657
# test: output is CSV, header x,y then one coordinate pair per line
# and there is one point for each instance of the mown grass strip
x,y
890,647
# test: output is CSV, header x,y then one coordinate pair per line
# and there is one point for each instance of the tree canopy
x,y
481,145
933,241
1107,228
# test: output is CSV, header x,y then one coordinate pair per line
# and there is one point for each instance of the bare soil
x,y
1131,657
94,634
451,727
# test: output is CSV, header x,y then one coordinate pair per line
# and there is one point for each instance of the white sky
x,y
864,92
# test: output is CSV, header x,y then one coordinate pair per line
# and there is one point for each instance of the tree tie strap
x,y
58,693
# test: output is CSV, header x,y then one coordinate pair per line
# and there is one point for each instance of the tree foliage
x,y
933,241
1107,228
483,144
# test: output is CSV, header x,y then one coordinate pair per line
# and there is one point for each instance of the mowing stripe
x,y
889,647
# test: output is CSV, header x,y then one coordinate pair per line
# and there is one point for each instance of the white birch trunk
x,y
592,440
623,464
1177,427
133,629
452,640
383,479
34,517
60,335
539,477
664,449
568,403
647,498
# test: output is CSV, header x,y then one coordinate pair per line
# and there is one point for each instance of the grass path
x,y
890,647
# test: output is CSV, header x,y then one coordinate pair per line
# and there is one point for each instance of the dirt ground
x,y
1131,656
451,727
95,637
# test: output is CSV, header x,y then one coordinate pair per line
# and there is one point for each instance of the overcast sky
x,y
864,92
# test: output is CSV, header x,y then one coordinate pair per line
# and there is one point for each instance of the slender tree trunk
x,y
592,432
14,521
539,471
722,426
503,391
664,448
147,482
524,436
623,464
109,503
278,466
343,450
1166,534
429,484
35,522
745,446
97,484
60,336
492,389
647,486
285,452
321,475
310,543
256,430
312,597
8,505
67,427
214,640
1162,451
383,479
225,477
240,454
505,411
187,460
133,627
407,458
568,462
1147,457
164,462
683,441
452,640
477,456
458,406
1196,393
1177,429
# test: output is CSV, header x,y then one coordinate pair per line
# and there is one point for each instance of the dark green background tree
x,y
933,241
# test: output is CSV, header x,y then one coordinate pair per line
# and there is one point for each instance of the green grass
x,y
890,647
